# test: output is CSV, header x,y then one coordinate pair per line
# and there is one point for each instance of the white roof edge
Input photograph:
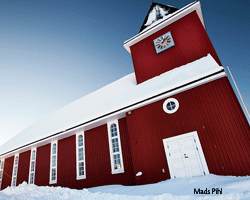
x,y
195,6
206,66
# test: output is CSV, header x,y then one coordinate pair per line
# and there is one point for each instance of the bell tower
x,y
169,38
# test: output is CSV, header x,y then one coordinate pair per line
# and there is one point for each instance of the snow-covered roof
x,y
112,98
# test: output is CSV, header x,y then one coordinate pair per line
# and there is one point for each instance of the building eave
x,y
117,114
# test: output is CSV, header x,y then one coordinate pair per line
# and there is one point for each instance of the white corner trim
x,y
121,170
78,177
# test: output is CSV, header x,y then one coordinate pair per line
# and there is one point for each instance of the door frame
x,y
198,145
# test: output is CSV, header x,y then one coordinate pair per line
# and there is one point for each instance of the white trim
x,y
31,160
51,155
121,169
1,171
14,175
79,177
198,144
165,105
121,114
169,20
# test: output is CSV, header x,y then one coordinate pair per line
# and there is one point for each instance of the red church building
x,y
176,116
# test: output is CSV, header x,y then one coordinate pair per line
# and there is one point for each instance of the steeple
x,y
156,12
169,38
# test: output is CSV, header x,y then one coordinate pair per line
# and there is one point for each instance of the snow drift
x,y
179,188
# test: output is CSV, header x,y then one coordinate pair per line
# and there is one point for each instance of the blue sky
x,y
54,52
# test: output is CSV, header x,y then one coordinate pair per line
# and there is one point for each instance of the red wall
x,y
191,43
98,166
7,172
23,167
213,111
42,165
126,152
66,176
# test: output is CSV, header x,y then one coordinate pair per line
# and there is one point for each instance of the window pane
x,y
171,105
54,149
113,130
16,160
15,171
53,178
33,157
2,165
81,168
117,161
32,169
14,181
53,161
115,145
80,154
32,178
80,141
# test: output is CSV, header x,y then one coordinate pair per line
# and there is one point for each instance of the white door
x,y
185,156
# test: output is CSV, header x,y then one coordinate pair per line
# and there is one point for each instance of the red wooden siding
x,y
7,172
23,167
126,152
42,165
191,43
213,111
66,176
98,164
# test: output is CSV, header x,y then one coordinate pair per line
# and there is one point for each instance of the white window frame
x,y
121,169
32,160
53,167
170,100
14,174
1,171
79,177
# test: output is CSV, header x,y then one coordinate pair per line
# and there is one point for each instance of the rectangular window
x,y
53,162
15,168
32,166
115,147
1,171
80,156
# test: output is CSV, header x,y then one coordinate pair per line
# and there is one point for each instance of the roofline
x,y
121,112
195,6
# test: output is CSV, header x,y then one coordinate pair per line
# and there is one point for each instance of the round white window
x,y
170,106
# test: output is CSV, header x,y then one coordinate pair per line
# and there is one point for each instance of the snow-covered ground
x,y
180,188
